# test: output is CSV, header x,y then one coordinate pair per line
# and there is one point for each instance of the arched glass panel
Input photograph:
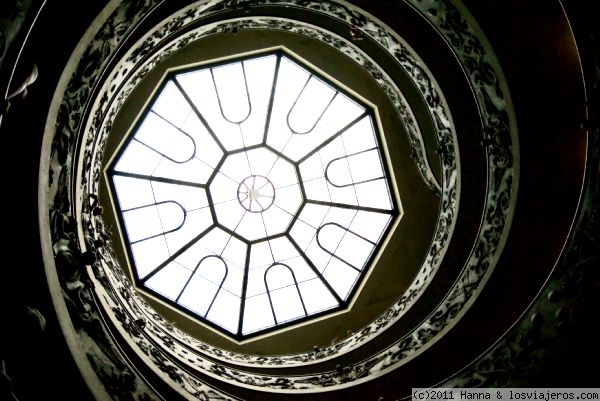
x,y
283,292
344,245
354,169
200,291
310,105
231,87
149,221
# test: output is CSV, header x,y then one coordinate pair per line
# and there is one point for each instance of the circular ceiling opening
x,y
253,193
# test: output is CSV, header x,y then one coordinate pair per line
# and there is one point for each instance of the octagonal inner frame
x,y
267,190
313,275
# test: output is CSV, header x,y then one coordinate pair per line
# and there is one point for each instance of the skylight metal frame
x,y
393,212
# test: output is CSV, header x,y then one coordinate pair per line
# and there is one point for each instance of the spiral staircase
x,y
489,278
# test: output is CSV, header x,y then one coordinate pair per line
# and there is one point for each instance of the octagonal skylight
x,y
252,193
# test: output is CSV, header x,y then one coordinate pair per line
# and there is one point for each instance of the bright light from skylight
x,y
253,193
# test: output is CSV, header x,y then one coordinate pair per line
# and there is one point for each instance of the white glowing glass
x,y
253,193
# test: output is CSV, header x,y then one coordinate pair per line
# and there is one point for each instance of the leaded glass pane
x,y
253,193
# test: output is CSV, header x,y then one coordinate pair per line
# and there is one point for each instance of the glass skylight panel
x,y
303,105
225,311
257,314
193,172
310,105
316,296
275,218
256,281
353,249
253,193
341,277
133,192
283,250
169,280
374,194
164,138
138,159
231,88
252,227
147,255
232,99
150,221
198,295
370,225
287,303
261,255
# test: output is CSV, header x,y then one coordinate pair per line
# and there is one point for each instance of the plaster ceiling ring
x,y
449,178
501,217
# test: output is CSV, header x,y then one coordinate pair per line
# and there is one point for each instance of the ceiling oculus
x,y
253,193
